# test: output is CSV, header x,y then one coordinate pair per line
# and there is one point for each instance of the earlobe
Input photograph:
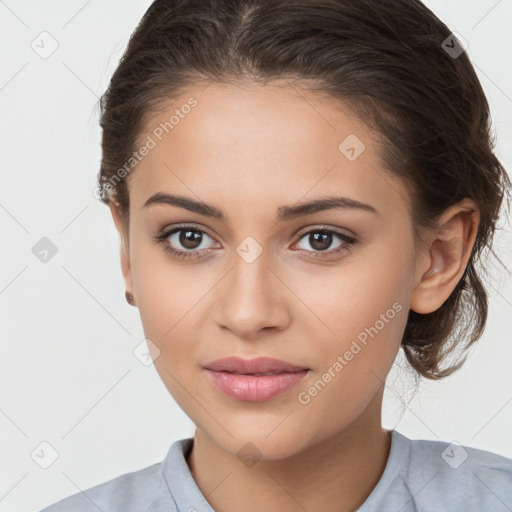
x,y
447,258
124,246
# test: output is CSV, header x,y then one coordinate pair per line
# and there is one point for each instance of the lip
x,y
235,364
242,379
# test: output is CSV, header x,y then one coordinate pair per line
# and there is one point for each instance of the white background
x,y
68,374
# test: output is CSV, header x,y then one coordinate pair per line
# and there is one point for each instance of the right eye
x,y
184,241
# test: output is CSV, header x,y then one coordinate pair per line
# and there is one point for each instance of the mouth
x,y
254,380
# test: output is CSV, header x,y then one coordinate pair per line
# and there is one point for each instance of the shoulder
x,y
450,474
139,491
428,476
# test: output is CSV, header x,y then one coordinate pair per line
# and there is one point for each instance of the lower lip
x,y
253,388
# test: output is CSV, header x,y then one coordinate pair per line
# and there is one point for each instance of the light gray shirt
x,y
420,476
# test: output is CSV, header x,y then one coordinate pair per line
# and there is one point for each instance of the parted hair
x,y
393,62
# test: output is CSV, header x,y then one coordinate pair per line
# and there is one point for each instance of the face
x,y
322,289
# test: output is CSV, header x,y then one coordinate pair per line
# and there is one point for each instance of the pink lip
x,y
258,365
238,378
252,388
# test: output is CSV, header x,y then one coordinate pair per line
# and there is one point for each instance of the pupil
x,y
320,240
190,239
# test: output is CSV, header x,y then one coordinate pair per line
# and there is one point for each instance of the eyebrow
x,y
284,213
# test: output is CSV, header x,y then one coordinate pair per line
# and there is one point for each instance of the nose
x,y
251,299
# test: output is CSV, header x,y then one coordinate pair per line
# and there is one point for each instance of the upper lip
x,y
258,365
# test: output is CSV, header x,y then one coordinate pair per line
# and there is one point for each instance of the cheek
x,y
355,361
166,291
364,291
361,313
166,295
166,300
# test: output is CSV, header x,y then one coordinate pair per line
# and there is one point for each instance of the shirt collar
x,y
183,488
188,496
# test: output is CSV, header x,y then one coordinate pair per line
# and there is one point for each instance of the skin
x,y
248,150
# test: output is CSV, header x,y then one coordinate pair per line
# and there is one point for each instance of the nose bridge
x,y
250,278
250,297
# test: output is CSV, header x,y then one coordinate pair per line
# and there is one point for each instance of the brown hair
x,y
393,62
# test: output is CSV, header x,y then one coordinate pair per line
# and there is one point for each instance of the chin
x,y
261,442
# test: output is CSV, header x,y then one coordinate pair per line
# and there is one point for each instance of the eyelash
x,y
162,240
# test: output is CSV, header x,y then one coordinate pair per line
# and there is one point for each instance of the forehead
x,y
261,143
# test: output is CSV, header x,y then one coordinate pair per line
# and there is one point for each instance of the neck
x,y
342,469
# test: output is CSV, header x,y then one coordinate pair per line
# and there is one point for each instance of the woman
x,y
301,188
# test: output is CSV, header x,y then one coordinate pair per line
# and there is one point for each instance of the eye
x,y
184,241
321,239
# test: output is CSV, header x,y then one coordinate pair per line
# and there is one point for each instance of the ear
x,y
119,222
447,255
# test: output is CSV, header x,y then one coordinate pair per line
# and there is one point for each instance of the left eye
x,y
321,240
